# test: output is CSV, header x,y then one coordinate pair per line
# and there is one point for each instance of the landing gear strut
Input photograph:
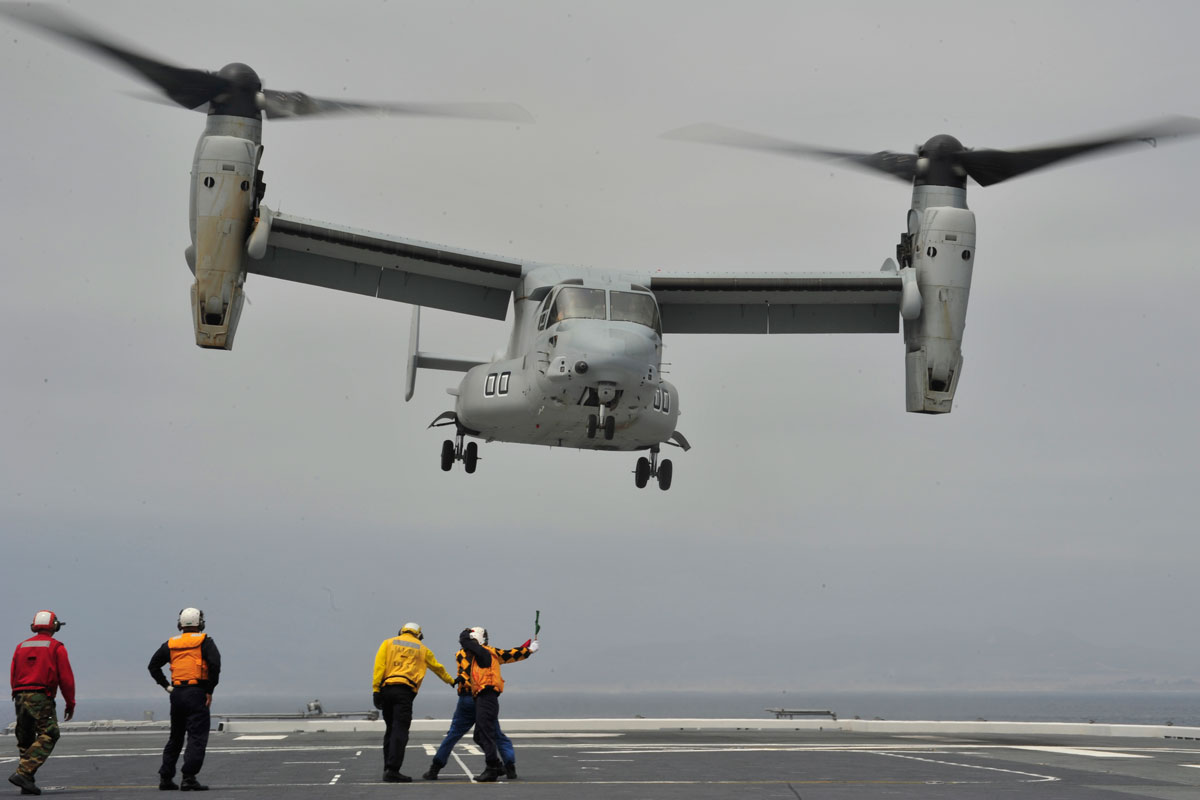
x,y
455,451
648,468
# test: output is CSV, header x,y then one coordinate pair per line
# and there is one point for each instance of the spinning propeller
x,y
943,160
236,89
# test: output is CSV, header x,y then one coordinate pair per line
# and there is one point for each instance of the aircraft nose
x,y
603,354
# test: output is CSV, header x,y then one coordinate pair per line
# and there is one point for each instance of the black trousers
x,y
487,722
397,717
190,718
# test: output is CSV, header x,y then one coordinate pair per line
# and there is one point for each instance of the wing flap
x,y
390,268
867,302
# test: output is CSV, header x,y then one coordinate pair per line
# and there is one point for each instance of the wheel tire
x,y
641,475
447,455
664,475
592,424
610,427
471,457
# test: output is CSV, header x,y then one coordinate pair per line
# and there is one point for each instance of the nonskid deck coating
x,y
929,761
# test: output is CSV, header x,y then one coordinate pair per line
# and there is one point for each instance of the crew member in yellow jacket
x,y
400,665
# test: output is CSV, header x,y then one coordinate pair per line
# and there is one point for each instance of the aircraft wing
x,y
387,267
816,302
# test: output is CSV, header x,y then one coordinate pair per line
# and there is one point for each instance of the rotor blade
x,y
187,87
281,105
992,166
900,165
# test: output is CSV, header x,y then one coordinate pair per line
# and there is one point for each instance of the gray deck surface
x,y
808,764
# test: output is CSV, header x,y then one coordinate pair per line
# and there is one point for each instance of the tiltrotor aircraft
x,y
583,364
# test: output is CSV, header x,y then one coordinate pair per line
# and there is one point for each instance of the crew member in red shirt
x,y
40,667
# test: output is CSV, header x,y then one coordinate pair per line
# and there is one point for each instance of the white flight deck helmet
x,y
414,628
479,635
45,622
191,618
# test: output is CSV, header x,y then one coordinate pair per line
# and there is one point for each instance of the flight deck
x,y
649,759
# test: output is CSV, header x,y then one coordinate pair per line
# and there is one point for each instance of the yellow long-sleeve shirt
x,y
403,659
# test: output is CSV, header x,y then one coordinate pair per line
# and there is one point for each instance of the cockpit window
x,y
576,303
639,308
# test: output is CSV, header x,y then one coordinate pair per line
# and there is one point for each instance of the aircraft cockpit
x,y
579,302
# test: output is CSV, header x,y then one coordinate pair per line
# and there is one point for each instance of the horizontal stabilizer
x,y
418,360
449,363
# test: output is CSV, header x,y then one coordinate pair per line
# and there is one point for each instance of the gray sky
x,y
830,538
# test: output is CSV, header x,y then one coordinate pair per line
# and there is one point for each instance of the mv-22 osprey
x,y
583,364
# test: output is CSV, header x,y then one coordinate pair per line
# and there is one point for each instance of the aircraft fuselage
x,y
581,347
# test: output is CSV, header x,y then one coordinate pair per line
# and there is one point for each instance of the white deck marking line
x,y
1077,751
141,752
335,779
472,749
564,735
1036,778
430,749
262,737
466,770
1193,766
359,753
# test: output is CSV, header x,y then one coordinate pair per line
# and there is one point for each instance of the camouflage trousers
x,y
37,729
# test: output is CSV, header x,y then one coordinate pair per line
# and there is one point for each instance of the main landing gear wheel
x,y
592,424
664,474
648,468
641,474
455,451
610,427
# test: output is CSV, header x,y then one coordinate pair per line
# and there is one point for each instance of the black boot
x,y
393,776
25,782
167,785
510,770
432,773
489,775
190,784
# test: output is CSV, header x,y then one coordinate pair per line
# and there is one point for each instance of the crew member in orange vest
x,y
195,670
486,686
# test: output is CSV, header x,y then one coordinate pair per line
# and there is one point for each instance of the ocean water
x,y
1117,707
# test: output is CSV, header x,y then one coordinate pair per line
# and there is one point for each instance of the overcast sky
x,y
287,489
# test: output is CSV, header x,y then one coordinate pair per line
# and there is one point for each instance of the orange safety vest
x,y
188,666
484,677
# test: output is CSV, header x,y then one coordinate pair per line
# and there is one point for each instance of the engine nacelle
x,y
224,196
943,256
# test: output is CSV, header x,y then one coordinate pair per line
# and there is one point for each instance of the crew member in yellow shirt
x,y
400,665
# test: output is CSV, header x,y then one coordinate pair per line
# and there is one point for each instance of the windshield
x,y
639,308
577,303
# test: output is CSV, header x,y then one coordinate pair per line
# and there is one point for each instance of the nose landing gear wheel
x,y
471,457
610,427
592,424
